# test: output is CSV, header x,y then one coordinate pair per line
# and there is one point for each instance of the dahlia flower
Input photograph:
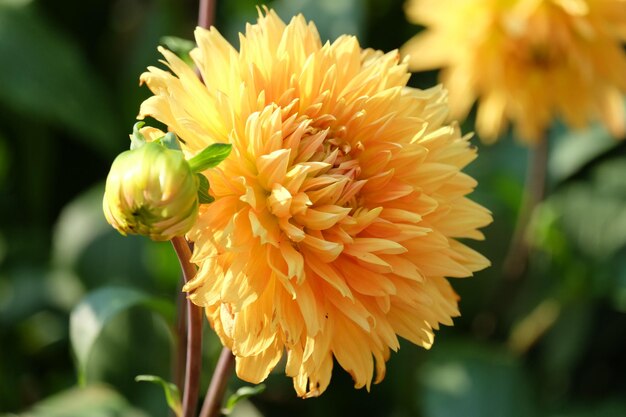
x,y
338,212
526,61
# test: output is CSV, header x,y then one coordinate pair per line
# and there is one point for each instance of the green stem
x,y
517,258
215,394
194,333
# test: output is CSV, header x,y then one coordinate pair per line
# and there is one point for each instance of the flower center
x,y
343,157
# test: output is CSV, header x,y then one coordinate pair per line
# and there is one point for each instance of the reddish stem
x,y
194,333
215,394
181,339
206,13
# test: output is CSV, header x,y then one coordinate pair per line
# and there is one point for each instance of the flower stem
x,y
516,260
206,13
181,339
194,333
215,394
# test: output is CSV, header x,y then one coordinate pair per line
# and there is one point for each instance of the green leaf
x,y
172,395
91,401
593,212
14,3
86,246
91,315
242,394
210,157
47,80
181,47
203,190
469,380
574,149
80,223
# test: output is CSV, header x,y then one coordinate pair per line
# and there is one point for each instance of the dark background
x,y
550,343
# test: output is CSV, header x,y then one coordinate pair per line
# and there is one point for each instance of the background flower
x,y
337,215
526,61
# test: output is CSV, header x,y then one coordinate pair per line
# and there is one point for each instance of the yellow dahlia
x,y
337,213
527,61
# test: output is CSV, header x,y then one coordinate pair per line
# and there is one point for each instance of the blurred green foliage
x,y
548,344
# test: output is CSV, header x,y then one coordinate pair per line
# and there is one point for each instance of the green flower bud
x,y
151,191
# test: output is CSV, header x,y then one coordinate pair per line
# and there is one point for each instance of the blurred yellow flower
x,y
526,61
337,213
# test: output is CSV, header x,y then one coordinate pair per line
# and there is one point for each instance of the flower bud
x,y
151,191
